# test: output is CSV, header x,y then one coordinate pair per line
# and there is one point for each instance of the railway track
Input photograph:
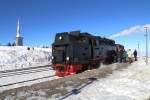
x,y
19,72
61,85
26,81
24,71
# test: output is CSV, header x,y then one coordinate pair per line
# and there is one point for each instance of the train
x,y
74,52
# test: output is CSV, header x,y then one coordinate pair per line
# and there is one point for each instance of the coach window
x,y
94,42
90,41
100,42
97,42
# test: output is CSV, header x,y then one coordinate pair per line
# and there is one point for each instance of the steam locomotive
x,y
74,52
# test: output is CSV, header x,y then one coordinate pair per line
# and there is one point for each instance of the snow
x,y
19,57
132,83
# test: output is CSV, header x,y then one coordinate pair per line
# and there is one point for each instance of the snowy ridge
x,y
19,57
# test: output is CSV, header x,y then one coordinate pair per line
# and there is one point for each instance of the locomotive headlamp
x,y
60,37
67,58
52,57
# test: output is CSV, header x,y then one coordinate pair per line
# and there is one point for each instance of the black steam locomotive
x,y
73,52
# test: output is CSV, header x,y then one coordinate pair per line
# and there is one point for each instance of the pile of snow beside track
x,y
132,83
19,57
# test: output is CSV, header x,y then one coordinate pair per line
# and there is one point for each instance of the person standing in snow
x,y
135,55
129,56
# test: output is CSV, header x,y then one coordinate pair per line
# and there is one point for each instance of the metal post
x,y
146,45
138,49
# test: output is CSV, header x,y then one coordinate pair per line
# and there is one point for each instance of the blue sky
x,y
41,19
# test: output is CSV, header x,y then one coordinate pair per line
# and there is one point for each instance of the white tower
x,y
19,39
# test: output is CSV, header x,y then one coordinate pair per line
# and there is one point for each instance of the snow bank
x,y
129,84
20,57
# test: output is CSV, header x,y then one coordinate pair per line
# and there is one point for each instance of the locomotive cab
x,y
69,52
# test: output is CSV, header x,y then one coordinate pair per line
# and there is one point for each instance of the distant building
x,y
19,39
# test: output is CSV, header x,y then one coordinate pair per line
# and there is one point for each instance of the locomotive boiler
x,y
74,52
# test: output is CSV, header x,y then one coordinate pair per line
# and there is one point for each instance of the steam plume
x,y
131,30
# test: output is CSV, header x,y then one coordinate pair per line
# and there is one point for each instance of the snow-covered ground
x,y
20,57
132,83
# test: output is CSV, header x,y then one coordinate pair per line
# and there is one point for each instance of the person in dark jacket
x,y
135,55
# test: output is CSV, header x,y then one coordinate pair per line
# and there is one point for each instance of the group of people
x,y
131,55
127,56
